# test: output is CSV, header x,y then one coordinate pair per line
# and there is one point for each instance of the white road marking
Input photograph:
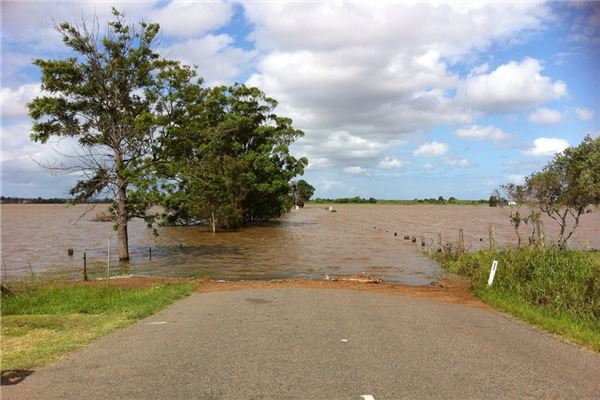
x,y
156,323
344,340
367,397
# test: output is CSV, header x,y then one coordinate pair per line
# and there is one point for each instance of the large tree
x,y
105,96
229,159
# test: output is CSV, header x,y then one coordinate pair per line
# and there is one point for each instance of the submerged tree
x,y
104,96
565,189
302,191
229,161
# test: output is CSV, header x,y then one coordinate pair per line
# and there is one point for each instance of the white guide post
x,y
492,272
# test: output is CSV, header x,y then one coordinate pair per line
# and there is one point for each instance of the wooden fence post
x,y
461,241
85,277
492,235
539,230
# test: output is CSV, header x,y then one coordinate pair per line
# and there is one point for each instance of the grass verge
x,y
42,324
556,290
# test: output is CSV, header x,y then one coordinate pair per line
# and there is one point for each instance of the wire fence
x,y
90,264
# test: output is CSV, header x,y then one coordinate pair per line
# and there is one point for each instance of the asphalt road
x,y
319,344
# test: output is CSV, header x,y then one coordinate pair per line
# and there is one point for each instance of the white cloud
x,y
475,132
546,147
546,116
14,101
217,60
356,170
339,149
458,162
393,163
511,86
585,114
428,166
387,80
431,149
190,18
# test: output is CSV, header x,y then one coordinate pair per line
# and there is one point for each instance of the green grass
x,y
557,290
42,324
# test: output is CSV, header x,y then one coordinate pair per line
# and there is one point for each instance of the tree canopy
x,y
150,133
566,188
100,97
229,161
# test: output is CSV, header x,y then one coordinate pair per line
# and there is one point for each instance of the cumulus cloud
x,y
339,149
14,101
512,86
584,114
428,166
386,80
393,163
218,61
546,116
190,18
458,162
357,170
475,132
546,147
431,149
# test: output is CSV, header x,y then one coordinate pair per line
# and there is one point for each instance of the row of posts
x,y
460,243
70,252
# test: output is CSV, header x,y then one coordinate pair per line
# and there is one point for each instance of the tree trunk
x,y
213,222
122,225
122,217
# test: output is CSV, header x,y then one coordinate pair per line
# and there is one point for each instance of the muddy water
x,y
311,242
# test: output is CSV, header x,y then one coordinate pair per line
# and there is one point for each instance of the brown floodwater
x,y
310,242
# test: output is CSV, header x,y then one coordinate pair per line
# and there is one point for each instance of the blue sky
x,y
397,100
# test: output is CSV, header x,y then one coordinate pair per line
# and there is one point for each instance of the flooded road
x,y
311,242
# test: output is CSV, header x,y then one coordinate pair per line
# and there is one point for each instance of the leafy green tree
x,y
495,199
104,96
229,160
568,186
302,191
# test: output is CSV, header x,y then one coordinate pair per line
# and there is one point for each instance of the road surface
x,y
293,343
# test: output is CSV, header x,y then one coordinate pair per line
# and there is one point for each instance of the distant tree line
x,y
371,200
151,134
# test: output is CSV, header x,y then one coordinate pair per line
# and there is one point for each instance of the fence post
x,y
85,277
492,235
439,243
461,241
539,230
108,263
150,253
